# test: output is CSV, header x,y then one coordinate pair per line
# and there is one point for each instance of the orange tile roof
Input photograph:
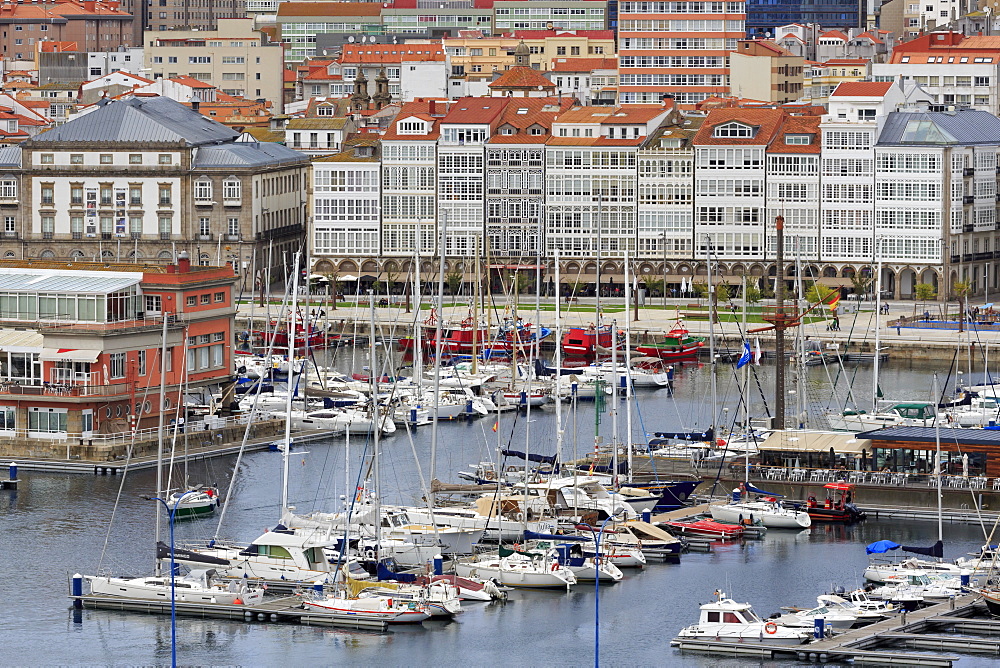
x,y
835,33
585,115
329,9
288,75
524,112
420,108
862,89
583,64
868,34
480,110
376,54
57,47
522,77
797,125
189,81
766,121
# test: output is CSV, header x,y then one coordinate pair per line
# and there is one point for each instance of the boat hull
x,y
772,520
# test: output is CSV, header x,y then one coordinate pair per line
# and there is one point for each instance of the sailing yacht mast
x,y
289,384
437,354
711,334
159,431
628,372
878,338
614,404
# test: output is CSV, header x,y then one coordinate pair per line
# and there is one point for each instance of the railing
x,y
148,434
64,389
880,478
69,376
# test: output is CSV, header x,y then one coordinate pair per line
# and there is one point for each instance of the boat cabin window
x,y
357,570
713,616
731,618
314,555
274,551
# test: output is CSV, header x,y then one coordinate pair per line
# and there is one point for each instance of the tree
x,y
333,283
653,284
751,293
522,281
700,289
925,292
454,281
860,283
819,293
390,281
962,290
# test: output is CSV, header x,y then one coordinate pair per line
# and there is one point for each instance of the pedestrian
x,y
927,316
899,331
836,324
322,313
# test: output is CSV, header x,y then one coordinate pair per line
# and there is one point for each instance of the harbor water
x,y
55,525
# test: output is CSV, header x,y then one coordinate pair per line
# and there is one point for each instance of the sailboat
x,y
767,510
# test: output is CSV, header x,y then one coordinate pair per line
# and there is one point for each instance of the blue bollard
x,y
318,588
819,628
647,516
13,470
77,590
468,407
438,564
524,398
413,416
965,579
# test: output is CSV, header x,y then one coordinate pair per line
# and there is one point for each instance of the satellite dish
x,y
351,39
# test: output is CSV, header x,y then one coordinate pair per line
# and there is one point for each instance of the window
x,y
198,60
231,188
204,226
165,159
47,420
733,130
8,189
165,195
106,159
866,114
233,228
219,336
798,140
153,304
217,355
46,159
76,158
142,362
47,193
203,189
233,60
206,298
117,369
219,298
135,159
135,195
191,300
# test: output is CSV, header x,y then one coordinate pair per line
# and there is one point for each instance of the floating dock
x,y
287,609
878,644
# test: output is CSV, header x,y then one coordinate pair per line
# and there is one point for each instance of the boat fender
x,y
770,628
238,602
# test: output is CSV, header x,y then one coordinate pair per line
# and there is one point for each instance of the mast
x,y
779,328
376,422
437,354
558,360
289,384
614,403
159,431
597,317
475,315
878,338
937,447
628,372
711,335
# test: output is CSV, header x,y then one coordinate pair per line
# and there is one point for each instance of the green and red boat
x,y
677,344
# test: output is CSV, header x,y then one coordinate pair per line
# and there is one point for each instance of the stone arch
x,y
9,254
369,266
847,272
756,270
572,267
701,269
204,259
391,265
135,254
165,255
684,268
107,255
348,266
811,271
931,277
324,267
907,281
646,268
47,254
427,266
829,271
77,255
737,269
590,268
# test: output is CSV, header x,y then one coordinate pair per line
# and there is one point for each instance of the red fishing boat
x,y
675,345
588,341
838,507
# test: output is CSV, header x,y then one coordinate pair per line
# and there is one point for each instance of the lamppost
x,y
597,588
173,577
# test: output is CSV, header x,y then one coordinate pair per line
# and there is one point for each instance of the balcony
x,y
105,235
969,171
39,389
165,236
71,377
234,237
77,235
165,201
203,201
135,235
10,235
135,202
203,237
969,199
232,202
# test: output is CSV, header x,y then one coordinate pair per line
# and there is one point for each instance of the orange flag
x,y
496,424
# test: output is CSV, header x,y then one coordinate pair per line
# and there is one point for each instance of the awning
x,y
804,441
833,281
68,355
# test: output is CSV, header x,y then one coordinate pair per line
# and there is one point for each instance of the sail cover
x,y
935,550
758,490
881,547
541,459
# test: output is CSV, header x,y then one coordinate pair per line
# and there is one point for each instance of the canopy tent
x,y
756,490
68,355
820,441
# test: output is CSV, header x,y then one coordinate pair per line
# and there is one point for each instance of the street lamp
x,y
597,588
173,577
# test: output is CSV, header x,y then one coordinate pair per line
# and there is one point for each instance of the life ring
x,y
369,553
721,442
770,628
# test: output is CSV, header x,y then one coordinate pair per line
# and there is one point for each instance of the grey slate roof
x,y
936,128
246,154
10,157
926,435
53,280
140,119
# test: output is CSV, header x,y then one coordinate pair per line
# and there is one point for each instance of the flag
x,y
745,357
833,302
496,424
756,351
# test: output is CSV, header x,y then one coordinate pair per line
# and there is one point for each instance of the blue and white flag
x,y
745,357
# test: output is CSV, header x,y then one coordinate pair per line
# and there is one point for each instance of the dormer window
x,y
734,130
324,111
798,140
412,127
535,130
506,130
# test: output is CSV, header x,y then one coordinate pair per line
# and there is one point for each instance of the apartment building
x,y
144,177
678,48
236,58
762,70
513,15
955,69
94,25
299,23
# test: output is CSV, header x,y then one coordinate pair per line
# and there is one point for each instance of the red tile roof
x,y
542,34
522,77
767,122
835,34
525,112
191,82
420,108
862,89
375,54
479,110
797,125
329,9
869,35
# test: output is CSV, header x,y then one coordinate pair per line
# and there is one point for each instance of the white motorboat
x,y
892,571
725,619
534,570
859,598
833,610
397,523
441,598
195,587
485,517
770,514
276,555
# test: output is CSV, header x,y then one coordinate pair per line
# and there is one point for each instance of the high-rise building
x,y
676,48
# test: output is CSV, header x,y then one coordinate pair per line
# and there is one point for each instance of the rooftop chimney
x,y
183,263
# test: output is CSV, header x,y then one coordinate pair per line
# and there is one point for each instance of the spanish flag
x,y
834,300
496,424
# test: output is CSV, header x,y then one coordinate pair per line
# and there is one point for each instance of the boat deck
x,y
680,513
285,609
861,645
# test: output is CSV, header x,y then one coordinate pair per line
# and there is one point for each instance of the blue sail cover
x,y
881,547
935,550
758,490
541,459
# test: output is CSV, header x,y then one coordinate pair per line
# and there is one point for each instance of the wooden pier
x,y
287,609
919,629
